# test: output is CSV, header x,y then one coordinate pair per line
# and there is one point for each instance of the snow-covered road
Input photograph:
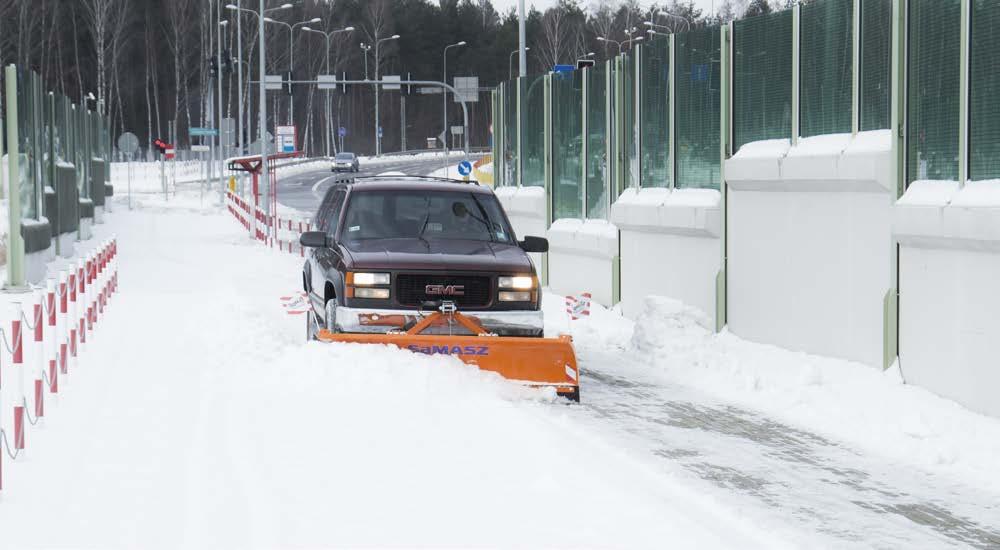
x,y
199,418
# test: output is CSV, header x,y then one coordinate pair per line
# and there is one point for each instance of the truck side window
x,y
333,215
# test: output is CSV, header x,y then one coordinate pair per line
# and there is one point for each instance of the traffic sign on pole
x,y
203,132
465,168
342,131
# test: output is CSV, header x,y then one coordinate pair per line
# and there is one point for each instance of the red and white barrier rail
x,y
60,316
284,232
578,306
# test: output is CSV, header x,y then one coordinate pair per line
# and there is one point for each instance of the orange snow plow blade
x,y
530,361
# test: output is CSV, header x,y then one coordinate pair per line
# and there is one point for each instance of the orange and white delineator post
x,y
539,362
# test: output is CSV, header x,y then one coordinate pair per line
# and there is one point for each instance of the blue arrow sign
x,y
465,168
342,131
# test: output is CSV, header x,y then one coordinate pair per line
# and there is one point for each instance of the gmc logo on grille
x,y
444,290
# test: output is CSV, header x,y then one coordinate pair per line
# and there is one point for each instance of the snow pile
x,y
873,410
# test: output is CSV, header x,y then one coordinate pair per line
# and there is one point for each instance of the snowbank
x,y
869,409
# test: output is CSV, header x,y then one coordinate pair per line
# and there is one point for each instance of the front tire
x,y
330,319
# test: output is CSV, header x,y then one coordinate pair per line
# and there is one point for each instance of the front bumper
x,y
377,321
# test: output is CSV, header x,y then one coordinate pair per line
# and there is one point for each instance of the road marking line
x,y
315,187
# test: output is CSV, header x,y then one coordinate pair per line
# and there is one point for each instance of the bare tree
x,y
562,29
99,16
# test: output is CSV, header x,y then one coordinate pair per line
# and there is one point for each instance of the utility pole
x,y
239,80
218,125
262,77
521,40
378,88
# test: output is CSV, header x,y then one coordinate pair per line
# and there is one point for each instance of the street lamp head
x,y
307,29
348,29
648,23
462,43
269,20
590,54
285,6
315,20
599,38
394,37
90,96
223,23
640,39
232,7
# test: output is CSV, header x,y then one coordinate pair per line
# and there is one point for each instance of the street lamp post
x,y
291,58
444,97
378,137
366,48
262,109
657,12
218,117
630,40
329,115
608,40
510,64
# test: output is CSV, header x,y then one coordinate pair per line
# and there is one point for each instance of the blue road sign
x,y
379,131
203,132
465,168
342,131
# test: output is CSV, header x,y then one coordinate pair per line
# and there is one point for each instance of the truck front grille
x,y
411,289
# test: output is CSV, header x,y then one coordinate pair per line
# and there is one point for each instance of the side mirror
x,y
313,239
534,244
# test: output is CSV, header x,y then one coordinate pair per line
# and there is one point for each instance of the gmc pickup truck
x,y
390,249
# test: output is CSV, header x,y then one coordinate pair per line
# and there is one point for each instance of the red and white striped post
x,y
38,350
50,345
72,314
81,281
18,360
62,333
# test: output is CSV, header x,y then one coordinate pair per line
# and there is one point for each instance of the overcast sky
x,y
503,5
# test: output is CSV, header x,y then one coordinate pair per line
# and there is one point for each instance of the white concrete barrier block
x,y
757,161
919,213
869,157
815,158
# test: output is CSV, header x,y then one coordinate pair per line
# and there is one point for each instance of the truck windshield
x,y
424,215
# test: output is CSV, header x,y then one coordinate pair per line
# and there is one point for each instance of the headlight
x,y
376,293
367,279
519,282
520,296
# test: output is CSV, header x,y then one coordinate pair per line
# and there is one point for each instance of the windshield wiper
x,y
483,220
427,219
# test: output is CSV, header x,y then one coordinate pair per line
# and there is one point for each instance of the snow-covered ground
x,y
200,418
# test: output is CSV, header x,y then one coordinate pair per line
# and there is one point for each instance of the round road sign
x,y
465,168
128,143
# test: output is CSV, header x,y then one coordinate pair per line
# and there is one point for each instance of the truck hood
x,y
452,255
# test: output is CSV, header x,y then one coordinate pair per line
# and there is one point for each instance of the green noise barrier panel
x,y
825,67
567,145
762,78
933,89
984,105
597,143
697,79
875,71
654,96
533,131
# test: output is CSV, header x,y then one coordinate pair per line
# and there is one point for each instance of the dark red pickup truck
x,y
389,249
